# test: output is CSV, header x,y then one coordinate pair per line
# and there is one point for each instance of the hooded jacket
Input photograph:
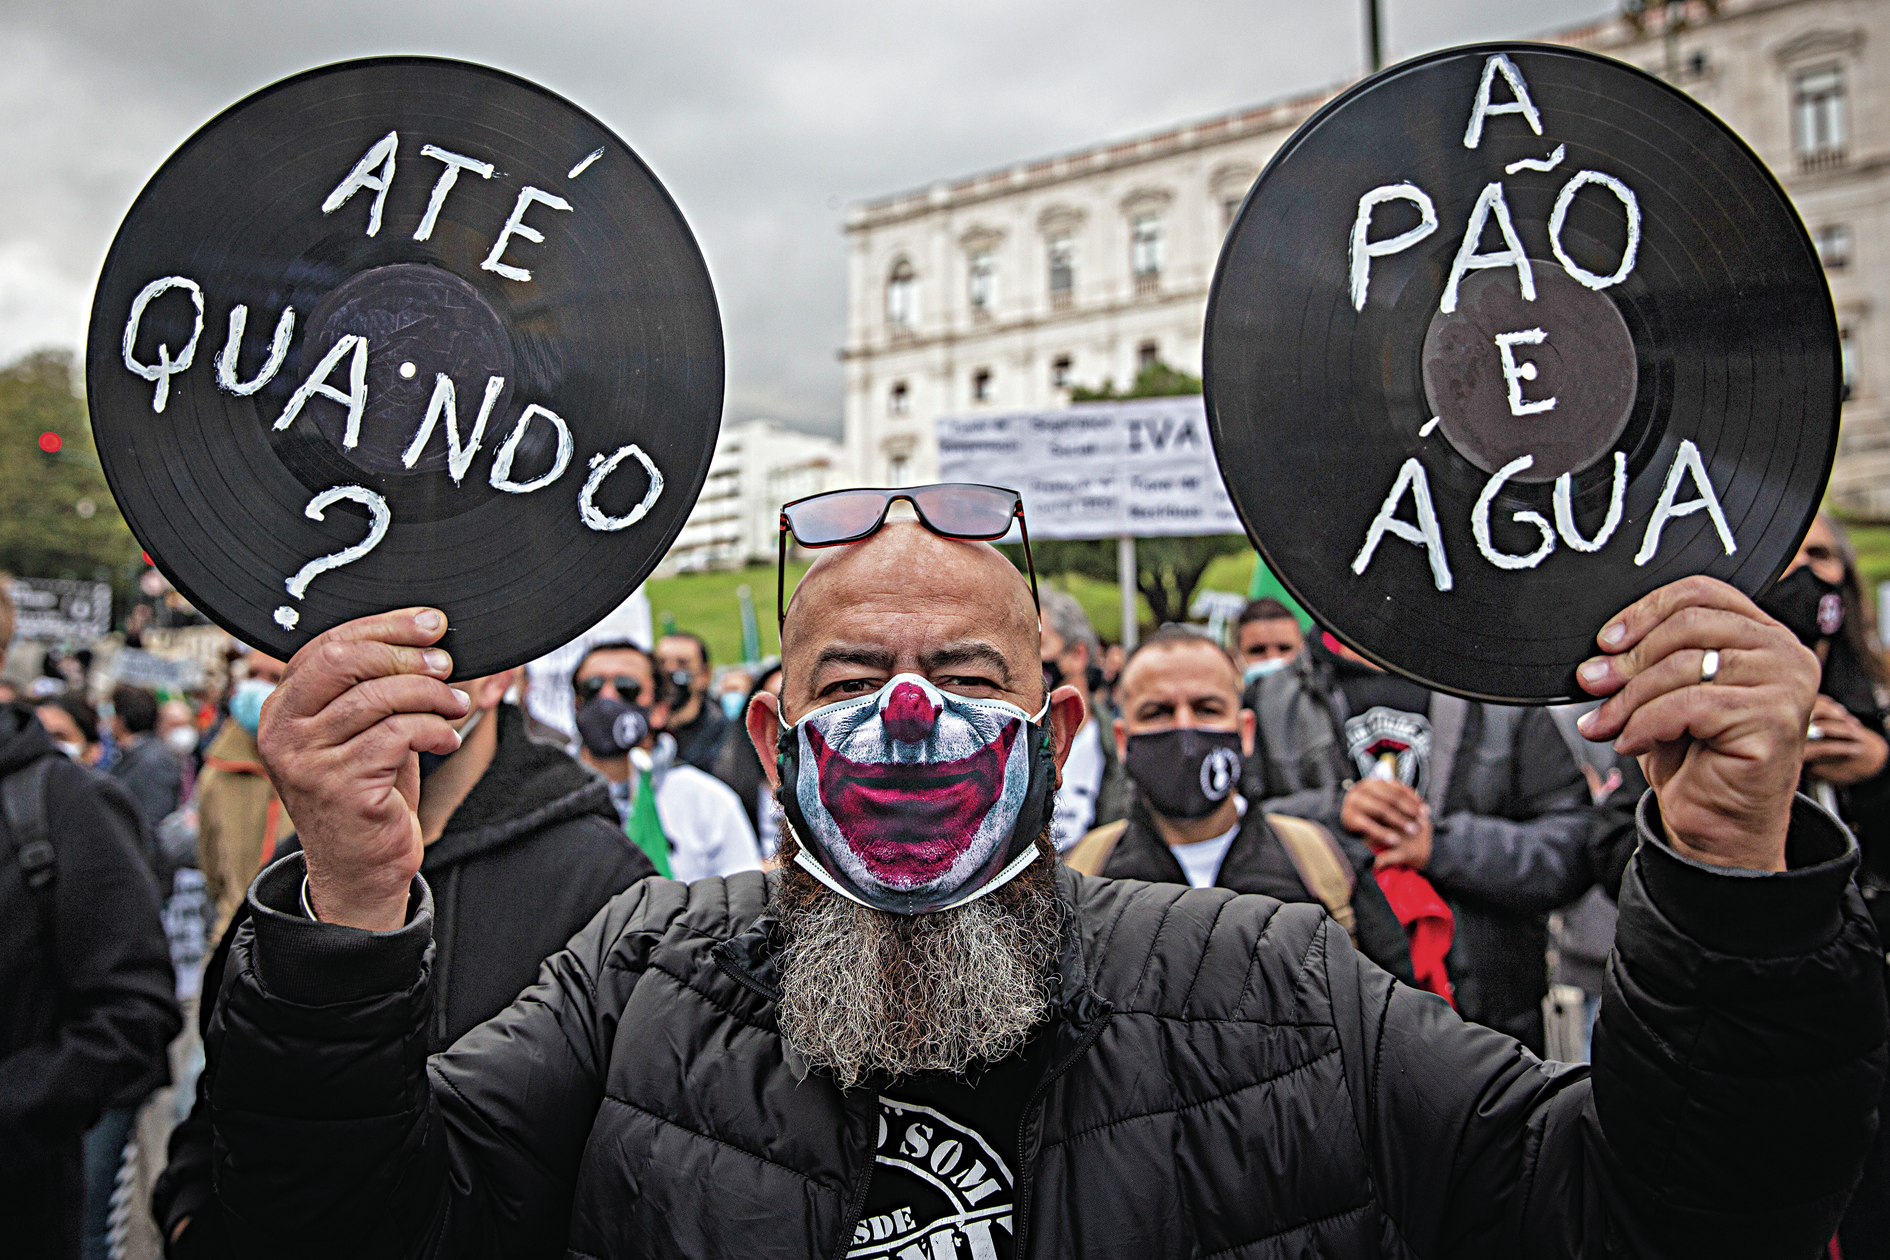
x,y
1222,1075
1513,833
528,858
1258,863
87,1020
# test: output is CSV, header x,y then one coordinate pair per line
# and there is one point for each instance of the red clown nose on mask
x,y
909,714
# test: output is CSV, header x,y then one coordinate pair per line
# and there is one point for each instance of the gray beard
x,y
864,991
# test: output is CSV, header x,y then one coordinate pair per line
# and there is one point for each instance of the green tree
x,y
1157,380
1167,570
57,516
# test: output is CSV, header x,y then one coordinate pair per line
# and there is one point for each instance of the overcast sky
x,y
764,119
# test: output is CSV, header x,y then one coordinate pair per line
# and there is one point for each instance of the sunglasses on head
x,y
588,689
960,510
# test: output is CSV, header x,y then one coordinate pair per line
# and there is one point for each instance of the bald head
x,y
906,601
905,561
920,604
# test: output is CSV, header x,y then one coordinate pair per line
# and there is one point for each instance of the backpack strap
x,y
1089,855
1321,865
24,793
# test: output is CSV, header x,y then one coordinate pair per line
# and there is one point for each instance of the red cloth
x,y
1428,924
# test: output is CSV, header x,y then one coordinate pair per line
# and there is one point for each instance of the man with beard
x,y
923,1039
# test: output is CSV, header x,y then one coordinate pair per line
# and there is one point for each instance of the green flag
x,y
1264,584
644,828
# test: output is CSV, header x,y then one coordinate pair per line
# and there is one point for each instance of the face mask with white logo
x,y
912,799
1184,772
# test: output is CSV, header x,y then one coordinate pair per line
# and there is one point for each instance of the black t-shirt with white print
x,y
944,1175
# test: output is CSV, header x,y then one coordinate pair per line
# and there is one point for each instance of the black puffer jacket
x,y
531,854
85,1011
1257,862
1225,1077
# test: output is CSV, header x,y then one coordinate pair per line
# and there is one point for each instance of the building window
x,y
1818,117
981,283
1145,252
981,385
1847,356
1145,245
1834,246
902,296
1060,372
1147,355
898,400
896,470
1062,271
1230,210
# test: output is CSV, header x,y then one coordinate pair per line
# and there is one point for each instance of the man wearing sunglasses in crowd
x,y
923,1037
690,824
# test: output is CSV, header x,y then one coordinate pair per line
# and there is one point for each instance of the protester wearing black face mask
x,y
1847,769
522,849
691,824
1821,601
1182,737
697,724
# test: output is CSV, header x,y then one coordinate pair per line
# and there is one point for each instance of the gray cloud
x,y
763,119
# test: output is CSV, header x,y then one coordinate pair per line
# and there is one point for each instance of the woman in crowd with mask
x,y
177,727
1847,769
73,725
240,817
1847,758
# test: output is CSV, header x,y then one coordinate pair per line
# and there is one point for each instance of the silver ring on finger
x,y
1709,665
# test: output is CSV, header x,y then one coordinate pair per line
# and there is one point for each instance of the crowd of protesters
x,y
1474,851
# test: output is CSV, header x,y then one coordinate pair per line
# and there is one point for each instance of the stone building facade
x,y
1003,289
758,465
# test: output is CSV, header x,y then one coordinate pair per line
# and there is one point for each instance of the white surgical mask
x,y
182,739
74,751
1261,669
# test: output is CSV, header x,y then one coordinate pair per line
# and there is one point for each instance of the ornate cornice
x,y
1818,43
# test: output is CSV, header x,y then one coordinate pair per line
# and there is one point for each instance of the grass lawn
x,y
708,604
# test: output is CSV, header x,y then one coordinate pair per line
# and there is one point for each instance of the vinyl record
x,y
1504,338
406,331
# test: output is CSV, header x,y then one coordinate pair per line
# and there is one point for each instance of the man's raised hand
x,y
1392,818
338,737
1723,755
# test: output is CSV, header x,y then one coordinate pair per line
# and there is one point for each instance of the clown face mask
x,y
912,800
